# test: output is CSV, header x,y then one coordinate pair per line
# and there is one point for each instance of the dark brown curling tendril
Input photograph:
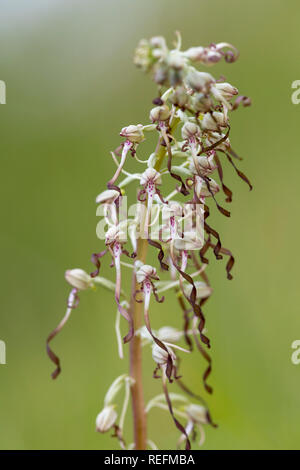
x,y
240,173
129,319
126,253
177,423
183,190
170,366
244,100
226,190
198,398
203,251
213,146
95,260
118,434
220,208
230,262
160,255
186,319
211,231
53,357
205,355
192,300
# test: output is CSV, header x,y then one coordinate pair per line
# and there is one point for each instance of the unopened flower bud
x,y
202,290
160,113
79,279
133,133
180,97
205,164
213,121
106,419
194,53
199,80
146,272
189,130
197,413
193,240
107,197
201,103
227,90
206,189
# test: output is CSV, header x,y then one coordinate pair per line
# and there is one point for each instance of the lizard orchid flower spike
x,y
190,119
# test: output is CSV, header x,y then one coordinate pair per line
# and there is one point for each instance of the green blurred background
x,y
71,86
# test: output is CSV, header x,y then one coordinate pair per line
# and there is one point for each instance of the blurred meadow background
x,y
71,86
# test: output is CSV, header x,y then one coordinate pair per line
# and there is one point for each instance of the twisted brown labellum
x,y
234,154
118,434
203,250
200,399
206,356
129,319
169,368
160,255
192,300
95,260
160,196
230,262
210,231
53,357
213,146
142,195
154,290
177,423
226,190
126,253
240,173
207,372
186,319
244,100
220,208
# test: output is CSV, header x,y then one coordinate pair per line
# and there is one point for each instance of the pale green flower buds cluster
x,y
189,121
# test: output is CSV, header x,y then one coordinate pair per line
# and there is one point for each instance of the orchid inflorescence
x,y
191,121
